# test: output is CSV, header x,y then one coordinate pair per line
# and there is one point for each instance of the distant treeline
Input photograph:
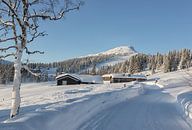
x,y
171,61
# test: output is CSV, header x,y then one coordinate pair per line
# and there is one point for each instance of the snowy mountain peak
x,y
122,50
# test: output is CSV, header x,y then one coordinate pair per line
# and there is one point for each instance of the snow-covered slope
x,y
115,56
122,50
115,60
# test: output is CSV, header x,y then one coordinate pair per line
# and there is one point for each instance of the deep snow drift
x,y
111,106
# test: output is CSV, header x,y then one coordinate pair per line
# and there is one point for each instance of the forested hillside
x,y
171,61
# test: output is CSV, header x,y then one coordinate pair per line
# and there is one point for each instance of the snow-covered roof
x,y
125,75
84,78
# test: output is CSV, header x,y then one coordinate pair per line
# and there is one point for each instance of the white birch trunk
x,y
16,99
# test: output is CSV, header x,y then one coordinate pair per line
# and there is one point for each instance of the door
x,y
64,82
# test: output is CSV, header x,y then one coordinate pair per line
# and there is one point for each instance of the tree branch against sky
x,y
19,27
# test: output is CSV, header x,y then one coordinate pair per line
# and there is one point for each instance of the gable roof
x,y
65,75
83,78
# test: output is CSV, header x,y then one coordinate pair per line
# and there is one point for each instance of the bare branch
x,y
27,68
19,23
6,23
36,35
33,2
33,52
60,15
7,48
4,10
8,55
8,39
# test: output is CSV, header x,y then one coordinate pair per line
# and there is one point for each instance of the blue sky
x,y
149,25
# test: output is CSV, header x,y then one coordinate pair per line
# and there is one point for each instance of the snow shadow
x,y
185,100
74,91
4,114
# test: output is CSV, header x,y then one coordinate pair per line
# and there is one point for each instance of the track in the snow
x,y
154,110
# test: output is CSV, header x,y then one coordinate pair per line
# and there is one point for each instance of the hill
x,y
108,58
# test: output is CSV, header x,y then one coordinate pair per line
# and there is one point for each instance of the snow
x,y
121,50
115,60
179,85
153,110
44,101
119,54
92,79
135,106
111,61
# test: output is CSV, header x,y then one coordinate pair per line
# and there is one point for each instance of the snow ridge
x,y
122,50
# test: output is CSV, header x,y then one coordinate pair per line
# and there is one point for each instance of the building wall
x,y
69,81
119,80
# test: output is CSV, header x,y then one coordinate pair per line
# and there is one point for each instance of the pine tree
x,y
185,59
167,63
93,71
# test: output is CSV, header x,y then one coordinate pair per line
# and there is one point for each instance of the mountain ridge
x,y
121,50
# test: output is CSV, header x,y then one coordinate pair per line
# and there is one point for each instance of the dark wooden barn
x,y
67,80
71,79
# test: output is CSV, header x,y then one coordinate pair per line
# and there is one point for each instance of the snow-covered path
x,y
153,110
138,107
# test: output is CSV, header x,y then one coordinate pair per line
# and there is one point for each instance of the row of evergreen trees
x,y
74,65
6,72
171,61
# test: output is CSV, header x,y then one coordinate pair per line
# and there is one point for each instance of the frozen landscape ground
x,y
145,106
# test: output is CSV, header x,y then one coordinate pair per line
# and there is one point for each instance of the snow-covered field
x,y
145,106
42,100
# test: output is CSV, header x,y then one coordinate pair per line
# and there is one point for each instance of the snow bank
x,y
179,85
185,100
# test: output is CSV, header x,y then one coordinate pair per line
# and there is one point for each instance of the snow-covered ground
x,y
179,85
146,106
45,98
152,110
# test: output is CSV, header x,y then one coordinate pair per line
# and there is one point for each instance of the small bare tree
x,y
19,27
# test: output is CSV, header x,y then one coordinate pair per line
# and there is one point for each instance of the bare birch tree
x,y
19,27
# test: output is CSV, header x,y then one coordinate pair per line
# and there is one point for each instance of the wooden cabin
x,y
119,78
71,79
